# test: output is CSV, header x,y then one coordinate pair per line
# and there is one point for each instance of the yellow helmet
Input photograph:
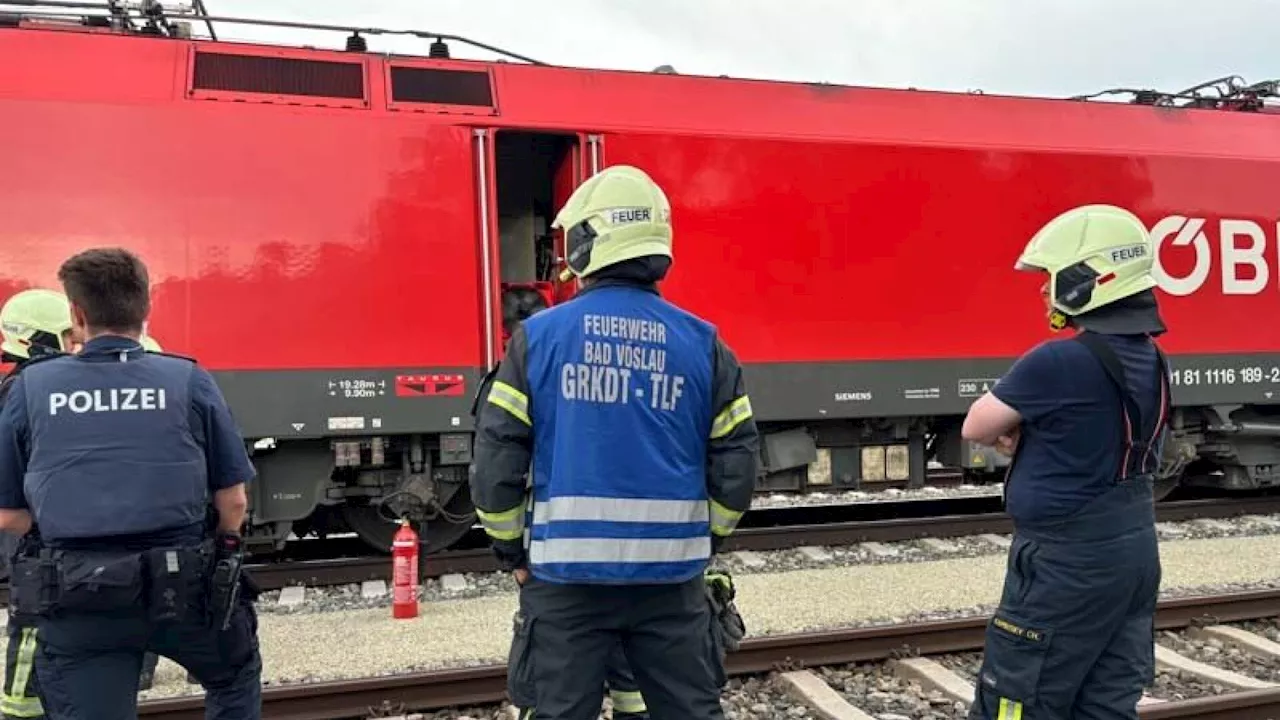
x,y
34,318
616,215
1094,255
149,344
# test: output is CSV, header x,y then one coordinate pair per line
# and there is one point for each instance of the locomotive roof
x,y
532,94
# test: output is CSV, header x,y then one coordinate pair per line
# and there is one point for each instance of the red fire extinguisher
x,y
404,573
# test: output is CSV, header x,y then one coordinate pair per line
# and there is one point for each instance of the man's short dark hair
x,y
111,286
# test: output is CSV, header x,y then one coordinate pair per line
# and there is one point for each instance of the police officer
x,y
628,704
34,324
113,455
1085,419
643,447
151,660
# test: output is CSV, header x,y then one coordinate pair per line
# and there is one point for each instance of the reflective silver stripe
x,y
581,507
629,550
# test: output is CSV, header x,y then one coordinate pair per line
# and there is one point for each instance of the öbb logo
x,y
1241,251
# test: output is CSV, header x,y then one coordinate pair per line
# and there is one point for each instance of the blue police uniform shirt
x,y
225,460
621,386
1072,421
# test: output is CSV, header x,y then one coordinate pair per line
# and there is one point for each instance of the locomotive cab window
x,y
535,173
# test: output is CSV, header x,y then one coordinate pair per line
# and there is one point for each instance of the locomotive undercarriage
x,y
1229,448
363,486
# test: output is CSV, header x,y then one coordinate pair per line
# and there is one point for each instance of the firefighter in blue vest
x,y
632,417
34,324
114,457
628,704
1085,419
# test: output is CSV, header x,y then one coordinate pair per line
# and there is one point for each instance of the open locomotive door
x,y
525,177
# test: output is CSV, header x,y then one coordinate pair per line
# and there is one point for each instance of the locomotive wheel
x,y
377,532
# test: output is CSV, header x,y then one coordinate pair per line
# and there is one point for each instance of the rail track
x,y
762,530
424,691
773,529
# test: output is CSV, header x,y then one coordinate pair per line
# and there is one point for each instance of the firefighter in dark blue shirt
x,y
1085,419
114,459
34,323
632,418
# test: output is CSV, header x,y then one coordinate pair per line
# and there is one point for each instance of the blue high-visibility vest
x,y
620,387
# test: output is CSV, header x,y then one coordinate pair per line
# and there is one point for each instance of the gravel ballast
x,y
847,497
315,646
875,689
1212,651
474,585
1175,685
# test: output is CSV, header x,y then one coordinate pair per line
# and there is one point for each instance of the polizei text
x,y
113,400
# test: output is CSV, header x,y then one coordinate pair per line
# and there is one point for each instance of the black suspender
x,y
1133,420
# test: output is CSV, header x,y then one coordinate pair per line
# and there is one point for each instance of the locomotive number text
x,y
1248,375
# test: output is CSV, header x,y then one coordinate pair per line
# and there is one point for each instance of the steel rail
x,y
347,571
433,690
779,537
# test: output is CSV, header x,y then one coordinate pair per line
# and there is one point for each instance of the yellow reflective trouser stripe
x,y
14,702
723,520
505,525
526,714
1009,710
511,400
738,412
628,701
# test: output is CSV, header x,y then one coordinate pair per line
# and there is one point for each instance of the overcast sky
x,y
1041,47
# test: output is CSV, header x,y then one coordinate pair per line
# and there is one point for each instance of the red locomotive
x,y
331,233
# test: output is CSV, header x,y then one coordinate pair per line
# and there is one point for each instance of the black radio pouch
x,y
33,584
98,582
174,579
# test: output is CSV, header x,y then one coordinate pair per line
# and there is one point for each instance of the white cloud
x,y
1045,47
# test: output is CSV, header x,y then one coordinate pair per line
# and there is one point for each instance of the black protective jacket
x,y
8,541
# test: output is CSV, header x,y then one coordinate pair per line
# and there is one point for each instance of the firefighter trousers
x,y
624,693
1074,635
21,696
567,635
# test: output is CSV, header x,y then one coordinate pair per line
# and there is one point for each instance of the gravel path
x,y
475,585
1219,654
876,690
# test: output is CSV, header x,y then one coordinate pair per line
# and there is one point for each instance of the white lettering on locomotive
x,y
113,400
1179,231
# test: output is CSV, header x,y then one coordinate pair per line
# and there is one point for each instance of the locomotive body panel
x,y
330,234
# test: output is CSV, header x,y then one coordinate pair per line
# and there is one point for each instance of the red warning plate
x,y
430,385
